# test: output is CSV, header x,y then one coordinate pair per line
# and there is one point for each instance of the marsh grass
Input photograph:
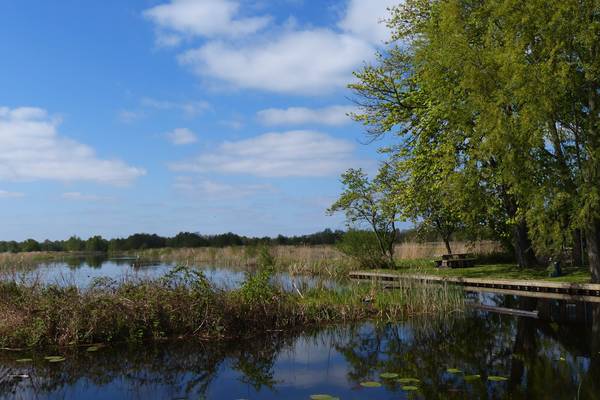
x,y
184,303
309,260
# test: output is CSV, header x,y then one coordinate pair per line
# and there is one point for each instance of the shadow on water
x,y
540,359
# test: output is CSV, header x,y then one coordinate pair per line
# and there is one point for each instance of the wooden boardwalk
x,y
531,288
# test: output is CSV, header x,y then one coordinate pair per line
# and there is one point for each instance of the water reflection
x,y
82,271
540,359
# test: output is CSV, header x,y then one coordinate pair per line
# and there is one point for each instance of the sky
x,y
163,116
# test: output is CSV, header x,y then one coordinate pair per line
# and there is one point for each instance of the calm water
x,y
82,271
540,359
556,356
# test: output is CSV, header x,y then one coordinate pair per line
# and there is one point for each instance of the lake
x,y
82,271
472,355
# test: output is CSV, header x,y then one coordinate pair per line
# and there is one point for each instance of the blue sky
x,y
163,116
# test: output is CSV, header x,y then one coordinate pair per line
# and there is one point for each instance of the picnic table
x,y
457,260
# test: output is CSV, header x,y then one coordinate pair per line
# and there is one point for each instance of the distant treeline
x,y
140,241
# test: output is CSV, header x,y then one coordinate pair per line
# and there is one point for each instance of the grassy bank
x,y
185,304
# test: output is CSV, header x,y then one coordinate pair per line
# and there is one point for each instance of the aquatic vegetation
x,y
55,359
494,378
471,378
453,371
410,388
24,360
388,375
323,397
408,380
370,384
185,303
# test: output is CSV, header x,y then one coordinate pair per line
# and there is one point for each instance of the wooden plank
x,y
521,285
504,310
537,295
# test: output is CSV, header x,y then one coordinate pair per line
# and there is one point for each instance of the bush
x,y
362,247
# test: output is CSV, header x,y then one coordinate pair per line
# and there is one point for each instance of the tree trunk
x,y
523,247
593,249
577,252
447,243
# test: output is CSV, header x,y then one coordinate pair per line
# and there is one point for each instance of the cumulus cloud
x,y
32,149
303,62
181,136
5,194
287,154
209,188
365,19
283,59
209,18
333,116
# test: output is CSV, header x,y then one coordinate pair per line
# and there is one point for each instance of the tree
x,y
96,244
370,202
74,243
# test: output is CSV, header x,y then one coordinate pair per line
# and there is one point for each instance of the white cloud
x,y
209,18
5,194
365,19
302,62
212,189
78,196
293,153
31,149
181,136
334,116
286,58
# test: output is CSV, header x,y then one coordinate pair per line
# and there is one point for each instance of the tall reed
x,y
184,303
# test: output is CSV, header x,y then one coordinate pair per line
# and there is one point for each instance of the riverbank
x,y
184,303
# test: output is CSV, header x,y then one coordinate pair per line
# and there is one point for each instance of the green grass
x,y
492,271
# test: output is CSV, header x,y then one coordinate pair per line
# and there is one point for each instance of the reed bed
x,y
308,260
184,303
297,260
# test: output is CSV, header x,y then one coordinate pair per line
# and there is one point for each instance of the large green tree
x,y
507,92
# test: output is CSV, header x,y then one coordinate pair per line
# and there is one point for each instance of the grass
x,y
491,271
185,304
320,260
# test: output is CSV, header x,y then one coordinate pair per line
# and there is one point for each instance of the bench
x,y
458,260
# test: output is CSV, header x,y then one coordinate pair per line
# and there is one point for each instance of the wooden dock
x,y
541,289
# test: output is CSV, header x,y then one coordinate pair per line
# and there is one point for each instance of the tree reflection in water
x,y
542,360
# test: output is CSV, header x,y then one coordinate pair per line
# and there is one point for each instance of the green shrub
x,y
363,248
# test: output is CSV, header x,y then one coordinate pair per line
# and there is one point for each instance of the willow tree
x,y
504,97
527,75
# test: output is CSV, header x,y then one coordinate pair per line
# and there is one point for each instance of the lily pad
x,y
410,388
91,349
495,378
24,360
408,380
454,370
370,384
388,375
322,397
54,359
